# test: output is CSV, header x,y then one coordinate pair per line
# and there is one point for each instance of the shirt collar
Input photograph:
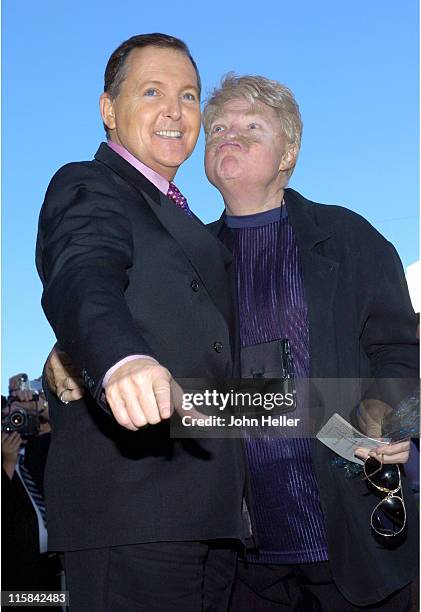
x,y
156,179
258,219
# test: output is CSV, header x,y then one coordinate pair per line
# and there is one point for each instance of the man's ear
x,y
289,158
106,107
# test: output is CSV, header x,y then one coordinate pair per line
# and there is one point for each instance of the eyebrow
x,y
155,82
256,113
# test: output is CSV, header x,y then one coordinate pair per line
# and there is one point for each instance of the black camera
x,y
34,386
25,423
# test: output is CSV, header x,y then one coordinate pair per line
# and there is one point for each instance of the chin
x,y
231,176
173,160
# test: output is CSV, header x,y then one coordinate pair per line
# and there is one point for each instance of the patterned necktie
x,y
34,492
176,196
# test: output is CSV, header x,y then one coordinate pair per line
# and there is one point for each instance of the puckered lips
x,y
229,143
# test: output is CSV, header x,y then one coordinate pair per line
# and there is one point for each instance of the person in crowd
x,y
26,564
138,292
324,278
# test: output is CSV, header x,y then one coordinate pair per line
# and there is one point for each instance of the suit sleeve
x,y
84,254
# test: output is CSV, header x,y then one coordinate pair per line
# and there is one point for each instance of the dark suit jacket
x,y
361,325
127,272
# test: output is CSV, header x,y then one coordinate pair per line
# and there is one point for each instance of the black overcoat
x,y
362,326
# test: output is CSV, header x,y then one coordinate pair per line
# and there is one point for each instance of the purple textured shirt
x,y
272,305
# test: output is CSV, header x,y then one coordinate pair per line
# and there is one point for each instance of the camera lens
x,y
17,419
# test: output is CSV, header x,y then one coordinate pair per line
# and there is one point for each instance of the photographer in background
x,y
25,441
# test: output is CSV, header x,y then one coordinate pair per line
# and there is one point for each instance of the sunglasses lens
x,y
388,517
385,476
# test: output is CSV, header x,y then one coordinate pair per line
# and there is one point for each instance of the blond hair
x,y
257,89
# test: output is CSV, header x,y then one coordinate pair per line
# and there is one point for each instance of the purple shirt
x,y
272,305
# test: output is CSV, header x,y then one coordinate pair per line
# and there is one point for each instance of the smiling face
x,y
156,114
245,143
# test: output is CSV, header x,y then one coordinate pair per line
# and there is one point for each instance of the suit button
x,y
217,346
194,285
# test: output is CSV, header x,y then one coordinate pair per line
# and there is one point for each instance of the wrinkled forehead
x,y
242,106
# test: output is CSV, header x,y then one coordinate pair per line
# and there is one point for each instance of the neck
x,y
248,200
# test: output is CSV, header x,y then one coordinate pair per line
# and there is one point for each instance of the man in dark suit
x,y
137,291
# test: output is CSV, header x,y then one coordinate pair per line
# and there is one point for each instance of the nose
x,y
173,108
231,132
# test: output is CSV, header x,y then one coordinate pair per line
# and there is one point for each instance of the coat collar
x,y
320,276
301,213
303,218
126,171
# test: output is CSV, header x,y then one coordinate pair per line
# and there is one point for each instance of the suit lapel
x,y
202,249
126,171
320,274
215,229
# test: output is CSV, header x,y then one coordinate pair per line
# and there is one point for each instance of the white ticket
x,y
341,437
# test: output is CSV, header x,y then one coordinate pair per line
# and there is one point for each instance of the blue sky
x,y
353,67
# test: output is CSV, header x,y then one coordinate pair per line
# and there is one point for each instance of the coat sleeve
x,y
389,335
84,254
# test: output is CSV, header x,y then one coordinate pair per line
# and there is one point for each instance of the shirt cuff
x,y
115,367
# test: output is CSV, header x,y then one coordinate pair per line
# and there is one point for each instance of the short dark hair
x,y
115,70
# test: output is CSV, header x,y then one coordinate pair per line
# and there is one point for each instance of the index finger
x,y
73,382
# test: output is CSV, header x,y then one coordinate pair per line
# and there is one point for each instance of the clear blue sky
x,y
352,65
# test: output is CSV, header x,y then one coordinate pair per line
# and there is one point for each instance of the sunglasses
x,y
388,518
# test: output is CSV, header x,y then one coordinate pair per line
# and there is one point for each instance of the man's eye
x,y
217,128
253,126
189,96
151,92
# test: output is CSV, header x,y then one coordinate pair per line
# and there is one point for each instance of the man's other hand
x,y
62,377
370,419
370,416
10,445
396,452
141,392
